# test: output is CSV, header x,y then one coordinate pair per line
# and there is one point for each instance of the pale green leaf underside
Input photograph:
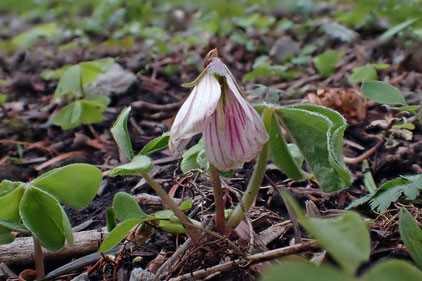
x,y
318,133
121,134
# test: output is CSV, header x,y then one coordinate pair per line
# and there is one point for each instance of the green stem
x,y
219,202
256,179
417,116
192,232
38,258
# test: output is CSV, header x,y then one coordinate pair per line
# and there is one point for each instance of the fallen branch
x,y
143,105
250,260
21,251
365,155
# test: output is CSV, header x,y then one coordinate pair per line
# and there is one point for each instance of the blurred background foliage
x,y
257,25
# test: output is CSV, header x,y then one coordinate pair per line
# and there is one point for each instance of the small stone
x,y
116,81
283,48
81,277
139,274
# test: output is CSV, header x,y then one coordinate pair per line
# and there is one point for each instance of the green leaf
x,y
118,233
70,81
345,238
99,101
3,98
411,234
121,134
54,74
69,117
164,214
92,111
203,162
381,66
140,164
10,197
111,221
186,205
7,186
74,185
156,144
79,112
125,207
28,38
105,64
6,237
9,203
189,158
338,31
14,226
260,90
171,226
42,215
296,154
327,61
67,228
386,36
318,133
76,76
359,202
280,153
391,191
382,92
393,270
407,108
89,72
363,74
298,270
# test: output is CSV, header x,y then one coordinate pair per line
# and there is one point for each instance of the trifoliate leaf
x,y
391,191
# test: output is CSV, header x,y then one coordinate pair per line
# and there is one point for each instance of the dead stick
x,y
253,259
371,151
21,251
169,264
138,105
365,155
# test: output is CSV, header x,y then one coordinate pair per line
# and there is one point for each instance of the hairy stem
x,y
256,179
192,232
219,202
38,258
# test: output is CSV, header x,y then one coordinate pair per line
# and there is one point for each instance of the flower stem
x,y
256,179
192,232
219,202
38,258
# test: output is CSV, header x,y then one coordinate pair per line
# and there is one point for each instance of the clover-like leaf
x,y
393,270
140,164
118,234
74,184
298,270
382,92
121,134
411,234
345,238
326,62
318,133
79,112
125,207
280,152
43,216
156,144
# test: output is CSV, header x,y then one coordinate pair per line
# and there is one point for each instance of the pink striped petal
x,y
218,67
191,118
241,138
215,146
